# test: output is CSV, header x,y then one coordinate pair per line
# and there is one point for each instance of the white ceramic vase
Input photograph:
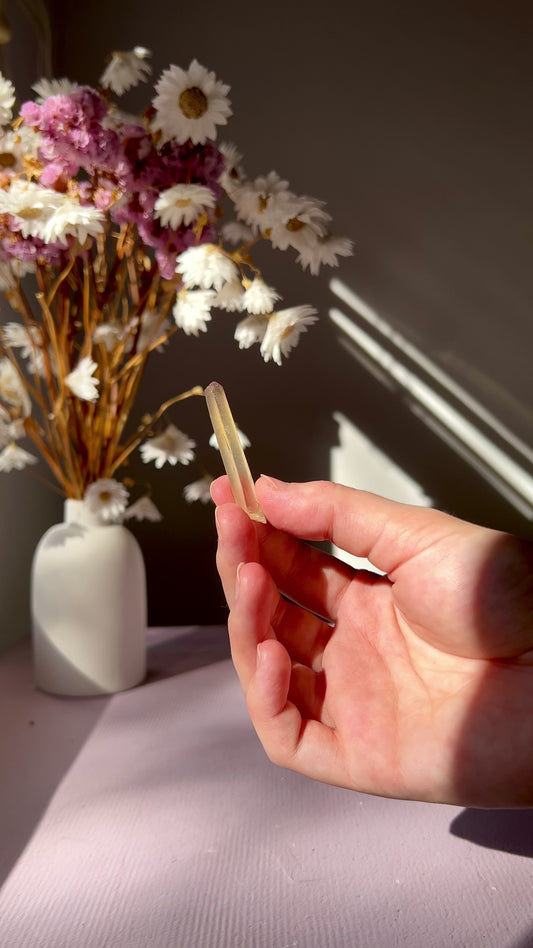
x,y
88,606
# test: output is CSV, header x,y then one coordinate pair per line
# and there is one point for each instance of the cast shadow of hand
x,y
510,831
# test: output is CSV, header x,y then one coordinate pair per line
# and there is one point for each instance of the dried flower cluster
x,y
117,231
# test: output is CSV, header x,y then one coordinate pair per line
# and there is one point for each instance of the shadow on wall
x,y
421,456
27,509
417,393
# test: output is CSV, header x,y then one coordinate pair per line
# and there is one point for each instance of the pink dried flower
x,y
72,129
32,250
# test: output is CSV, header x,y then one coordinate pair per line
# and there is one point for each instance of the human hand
x,y
417,684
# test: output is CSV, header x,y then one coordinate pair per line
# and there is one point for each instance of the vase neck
x,y
75,511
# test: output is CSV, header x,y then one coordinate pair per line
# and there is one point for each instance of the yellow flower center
x,y
193,102
182,202
105,496
294,224
29,213
7,159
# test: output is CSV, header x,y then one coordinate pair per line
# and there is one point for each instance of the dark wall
x,y
413,123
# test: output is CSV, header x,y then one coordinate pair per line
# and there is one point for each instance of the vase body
x,y
88,607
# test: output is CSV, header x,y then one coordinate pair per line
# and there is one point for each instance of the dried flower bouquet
x,y
116,232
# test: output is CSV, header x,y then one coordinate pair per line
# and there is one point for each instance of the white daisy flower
x,y
245,442
192,310
256,202
29,341
47,87
15,458
10,430
284,330
17,430
12,388
8,279
235,232
324,251
18,337
152,329
258,297
16,147
30,205
5,423
183,204
116,118
250,330
107,335
199,490
300,223
126,69
22,267
7,100
172,446
190,104
81,381
4,429
12,271
107,499
143,509
69,217
233,173
206,266
230,297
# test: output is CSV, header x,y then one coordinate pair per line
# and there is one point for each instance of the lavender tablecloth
x,y
153,819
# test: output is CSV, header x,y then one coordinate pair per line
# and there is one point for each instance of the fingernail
x,y
273,482
216,520
259,654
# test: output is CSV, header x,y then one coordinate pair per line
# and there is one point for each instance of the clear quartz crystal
x,y
241,481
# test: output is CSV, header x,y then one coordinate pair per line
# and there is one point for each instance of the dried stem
x,y
145,428
113,283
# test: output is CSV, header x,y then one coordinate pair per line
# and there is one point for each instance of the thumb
x,y
363,524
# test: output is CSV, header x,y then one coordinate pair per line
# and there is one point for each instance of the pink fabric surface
x,y
153,818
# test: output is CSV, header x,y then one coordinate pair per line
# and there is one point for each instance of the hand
x,y
416,684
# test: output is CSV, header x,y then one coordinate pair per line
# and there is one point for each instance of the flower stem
x,y
143,430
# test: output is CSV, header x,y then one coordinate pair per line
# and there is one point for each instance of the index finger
x,y
384,531
308,576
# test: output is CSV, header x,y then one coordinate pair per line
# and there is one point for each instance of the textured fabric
x,y
153,819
